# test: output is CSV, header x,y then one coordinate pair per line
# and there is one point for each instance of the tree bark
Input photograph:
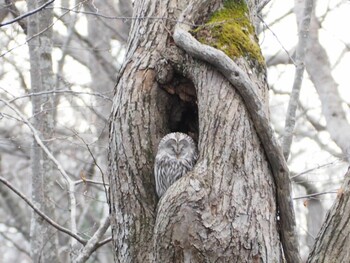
x,y
44,240
225,209
215,213
138,121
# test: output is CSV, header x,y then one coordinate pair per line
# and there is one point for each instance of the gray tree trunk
x,y
319,69
225,209
43,238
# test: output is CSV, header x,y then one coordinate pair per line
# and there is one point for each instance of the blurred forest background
x,y
86,40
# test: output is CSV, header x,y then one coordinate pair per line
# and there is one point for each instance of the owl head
x,y
178,145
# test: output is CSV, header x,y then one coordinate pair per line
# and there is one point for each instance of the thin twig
x,y
261,5
124,18
89,181
39,33
276,37
39,141
61,61
15,243
95,162
314,195
32,12
69,182
312,169
61,91
37,210
52,222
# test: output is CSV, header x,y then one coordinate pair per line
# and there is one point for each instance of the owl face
x,y
177,146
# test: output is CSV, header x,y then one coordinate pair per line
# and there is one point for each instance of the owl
x,y
177,154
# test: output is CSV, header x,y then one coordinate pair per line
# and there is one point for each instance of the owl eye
x,y
180,147
183,144
169,144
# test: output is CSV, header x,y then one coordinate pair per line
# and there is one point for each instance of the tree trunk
x,y
44,240
225,209
333,240
319,68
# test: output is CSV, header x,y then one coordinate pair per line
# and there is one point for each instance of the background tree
x,y
84,64
42,79
74,188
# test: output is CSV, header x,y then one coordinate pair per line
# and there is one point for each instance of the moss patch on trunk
x,y
230,30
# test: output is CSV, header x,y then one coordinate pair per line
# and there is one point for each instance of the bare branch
x,y
124,17
304,26
93,244
90,182
276,37
95,162
69,182
315,124
16,211
18,18
314,195
262,4
11,7
39,33
312,169
15,244
61,91
39,141
45,217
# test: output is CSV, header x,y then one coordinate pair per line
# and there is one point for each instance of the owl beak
x,y
177,152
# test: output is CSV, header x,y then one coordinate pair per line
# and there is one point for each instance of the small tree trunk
x,y
43,238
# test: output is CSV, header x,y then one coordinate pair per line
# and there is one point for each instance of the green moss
x,y
230,30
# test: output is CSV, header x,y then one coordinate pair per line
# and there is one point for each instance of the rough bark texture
x,y
225,209
216,213
332,243
248,89
138,122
